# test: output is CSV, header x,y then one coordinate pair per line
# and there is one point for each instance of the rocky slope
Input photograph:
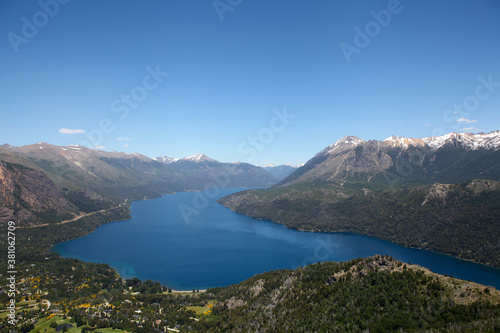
x,y
450,158
29,195
87,180
372,188
112,174
376,294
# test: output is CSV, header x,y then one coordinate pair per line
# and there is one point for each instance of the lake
x,y
217,247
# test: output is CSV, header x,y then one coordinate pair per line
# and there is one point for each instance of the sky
x,y
238,80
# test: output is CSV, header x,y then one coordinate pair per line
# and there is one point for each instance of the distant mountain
x,y
377,188
202,171
451,158
87,180
193,158
198,158
90,180
165,159
280,171
114,175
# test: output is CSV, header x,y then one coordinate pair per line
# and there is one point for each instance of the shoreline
x,y
126,203
129,203
367,235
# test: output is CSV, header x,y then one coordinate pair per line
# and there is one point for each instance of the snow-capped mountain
x,y
286,164
280,171
75,179
345,143
192,158
201,170
165,159
453,157
199,158
464,140
467,140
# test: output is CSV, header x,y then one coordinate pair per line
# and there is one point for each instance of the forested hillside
x,y
377,294
462,219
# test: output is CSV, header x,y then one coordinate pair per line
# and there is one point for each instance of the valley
x,y
250,166
460,220
392,190
439,194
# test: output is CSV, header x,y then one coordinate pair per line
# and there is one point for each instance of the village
x,y
87,297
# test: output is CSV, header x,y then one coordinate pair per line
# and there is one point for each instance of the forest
x,y
462,220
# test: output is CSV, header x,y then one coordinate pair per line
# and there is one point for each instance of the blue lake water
x,y
218,247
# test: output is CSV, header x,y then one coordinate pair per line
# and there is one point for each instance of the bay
x,y
187,241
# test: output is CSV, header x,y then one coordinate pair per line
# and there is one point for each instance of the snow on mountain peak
x,y
349,139
294,166
400,141
165,159
467,140
192,158
393,138
286,164
346,140
199,158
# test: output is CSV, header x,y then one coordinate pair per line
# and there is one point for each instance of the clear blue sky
x,y
231,69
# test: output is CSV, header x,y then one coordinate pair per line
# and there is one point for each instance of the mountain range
x,y
201,170
440,193
388,189
450,158
43,182
280,171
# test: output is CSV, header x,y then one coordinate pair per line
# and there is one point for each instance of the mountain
x,y
114,175
280,171
439,193
90,180
466,140
199,158
458,219
29,195
165,159
376,294
194,158
451,158
78,179
201,171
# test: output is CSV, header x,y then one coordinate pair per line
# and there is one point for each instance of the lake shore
x,y
264,245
